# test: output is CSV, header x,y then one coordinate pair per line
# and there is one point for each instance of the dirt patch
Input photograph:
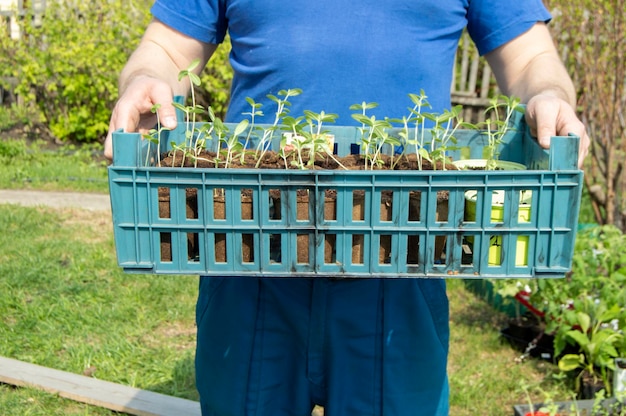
x,y
180,334
94,226
38,132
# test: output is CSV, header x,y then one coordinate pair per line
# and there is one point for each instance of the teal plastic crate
x,y
287,225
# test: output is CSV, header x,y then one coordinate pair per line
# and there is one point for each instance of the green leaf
x,y
195,79
584,320
570,362
580,338
196,110
363,119
609,314
193,65
424,154
180,107
430,116
241,127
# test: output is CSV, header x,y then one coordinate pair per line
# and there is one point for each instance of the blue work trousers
x,y
358,347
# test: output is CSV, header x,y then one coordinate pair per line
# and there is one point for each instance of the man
x,y
356,346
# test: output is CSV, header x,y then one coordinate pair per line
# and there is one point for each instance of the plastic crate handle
x,y
564,145
562,155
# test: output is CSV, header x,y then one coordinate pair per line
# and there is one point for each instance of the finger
x,y
167,116
116,122
136,108
127,115
544,135
583,149
108,143
545,128
162,97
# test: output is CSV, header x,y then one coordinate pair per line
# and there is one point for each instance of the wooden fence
x,y
11,11
473,84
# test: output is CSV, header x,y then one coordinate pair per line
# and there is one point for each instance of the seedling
x,y
282,110
414,136
154,135
191,112
314,140
497,128
255,110
375,134
442,133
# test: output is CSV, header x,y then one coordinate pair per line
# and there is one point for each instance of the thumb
x,y
545,129
162,96
167,115
542,120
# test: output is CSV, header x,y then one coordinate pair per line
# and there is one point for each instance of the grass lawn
x,y
66,168
65,304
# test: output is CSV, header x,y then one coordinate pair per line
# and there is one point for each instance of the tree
x,y
592,38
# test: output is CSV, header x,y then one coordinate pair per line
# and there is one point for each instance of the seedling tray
x,y
590,407
338,223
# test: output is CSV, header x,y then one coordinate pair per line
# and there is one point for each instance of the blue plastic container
x,y
375,224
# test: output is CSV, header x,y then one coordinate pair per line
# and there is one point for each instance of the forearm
x,y
544,75
162,54
160,67
530,66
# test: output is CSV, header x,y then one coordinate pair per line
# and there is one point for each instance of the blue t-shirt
x,y
342,52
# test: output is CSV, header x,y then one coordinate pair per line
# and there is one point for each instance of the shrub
x,y
68,65
12,148
16,115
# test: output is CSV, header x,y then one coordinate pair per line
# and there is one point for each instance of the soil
x,y
526,334
272,160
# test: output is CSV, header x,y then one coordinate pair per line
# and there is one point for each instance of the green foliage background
x,y
591,37
67,64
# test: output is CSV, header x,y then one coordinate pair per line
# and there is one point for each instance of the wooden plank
x,y
95,392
